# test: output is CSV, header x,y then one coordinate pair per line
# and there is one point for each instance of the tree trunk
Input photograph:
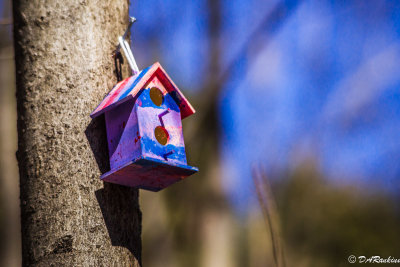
x,y
63,70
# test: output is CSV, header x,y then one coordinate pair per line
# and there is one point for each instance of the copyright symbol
x,y
352,259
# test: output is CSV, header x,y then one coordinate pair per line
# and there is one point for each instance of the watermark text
x,y
372,259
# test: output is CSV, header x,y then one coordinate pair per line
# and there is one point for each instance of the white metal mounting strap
x,y
127,49
128,54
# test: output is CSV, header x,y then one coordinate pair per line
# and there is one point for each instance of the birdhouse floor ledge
x,y
148,173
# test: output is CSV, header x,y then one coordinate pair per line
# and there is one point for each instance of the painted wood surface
x,y
137,111
149,174
129,87
149,117
122,134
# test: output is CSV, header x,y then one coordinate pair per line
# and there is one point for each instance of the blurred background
x,y
296,133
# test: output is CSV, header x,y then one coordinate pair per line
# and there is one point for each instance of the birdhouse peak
x,y
130,87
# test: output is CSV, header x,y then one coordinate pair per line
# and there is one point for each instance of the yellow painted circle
x,y
161,135
156,96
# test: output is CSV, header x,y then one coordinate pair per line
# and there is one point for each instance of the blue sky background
x,y
324,86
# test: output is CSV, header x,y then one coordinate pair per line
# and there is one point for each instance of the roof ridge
x,y
130,86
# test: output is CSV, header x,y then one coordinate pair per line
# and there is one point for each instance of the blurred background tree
x,y
10,254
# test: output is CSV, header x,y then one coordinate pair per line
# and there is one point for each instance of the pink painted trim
x,y
155,70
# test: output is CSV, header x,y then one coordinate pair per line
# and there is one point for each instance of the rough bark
x,y
63,70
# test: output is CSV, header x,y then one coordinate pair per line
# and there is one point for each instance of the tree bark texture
x,y
63,70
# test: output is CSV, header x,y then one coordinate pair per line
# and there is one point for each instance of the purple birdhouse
x,y
143,115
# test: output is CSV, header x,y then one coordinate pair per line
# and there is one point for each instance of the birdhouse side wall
x,y
123,134
168,116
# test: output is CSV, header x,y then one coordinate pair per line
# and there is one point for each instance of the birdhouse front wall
x,y
167,118
122,134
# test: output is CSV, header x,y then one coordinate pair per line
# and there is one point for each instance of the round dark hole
x,y
161,135
156,96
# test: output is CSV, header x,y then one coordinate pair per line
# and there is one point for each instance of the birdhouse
x,y
143,116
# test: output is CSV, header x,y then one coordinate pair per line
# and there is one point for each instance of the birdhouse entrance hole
x,y
156,96
161,135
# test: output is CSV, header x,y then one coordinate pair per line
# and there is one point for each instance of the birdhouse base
x,y
148,173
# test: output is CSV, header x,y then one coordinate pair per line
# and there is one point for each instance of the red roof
x,y
129,87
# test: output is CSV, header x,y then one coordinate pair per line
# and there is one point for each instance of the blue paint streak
x,y
176,97
150,145
139,77
168,102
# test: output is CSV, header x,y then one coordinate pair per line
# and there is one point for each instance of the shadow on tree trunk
x,y
118,204
97,138
122,216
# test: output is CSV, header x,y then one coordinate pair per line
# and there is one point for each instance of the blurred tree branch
x,y
268,207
